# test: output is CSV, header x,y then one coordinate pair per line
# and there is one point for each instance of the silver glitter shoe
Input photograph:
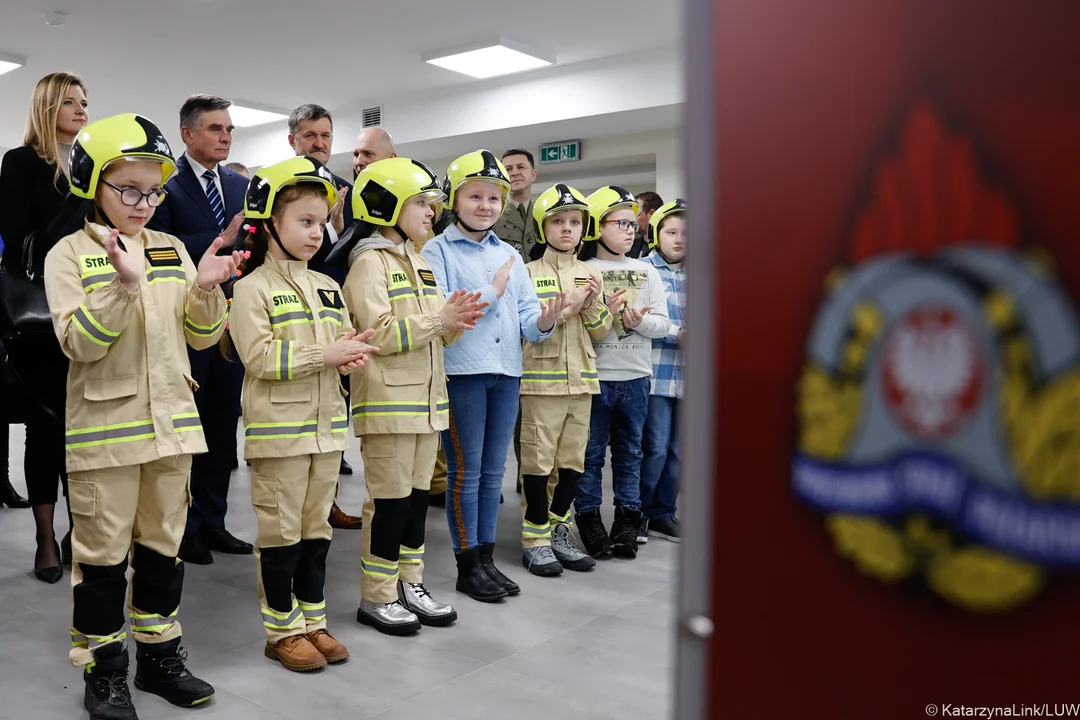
x,y
390,618
416,598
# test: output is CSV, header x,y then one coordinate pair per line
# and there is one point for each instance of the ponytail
x,y
255,248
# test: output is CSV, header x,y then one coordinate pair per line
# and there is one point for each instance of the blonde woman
x,y
33,184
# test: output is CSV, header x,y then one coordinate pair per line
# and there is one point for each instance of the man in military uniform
x,y
516,226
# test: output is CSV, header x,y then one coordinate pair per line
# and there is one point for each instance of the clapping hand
x,y
550,311
462,310
215,269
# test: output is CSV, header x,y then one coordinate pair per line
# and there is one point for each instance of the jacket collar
x,y
559,259
288,268
453,234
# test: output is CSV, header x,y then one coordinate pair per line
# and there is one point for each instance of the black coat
x,y
30,198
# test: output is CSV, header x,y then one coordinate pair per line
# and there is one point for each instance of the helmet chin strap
x,y
469,228
109,224
273,232
604,245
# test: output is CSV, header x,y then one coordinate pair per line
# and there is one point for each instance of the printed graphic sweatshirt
x,y
627,354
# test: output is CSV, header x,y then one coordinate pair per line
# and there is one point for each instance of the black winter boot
x,y
107,696
593,534
487,552
473,580
624,532
162,670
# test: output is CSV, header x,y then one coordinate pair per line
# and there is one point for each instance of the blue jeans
x,y
618,412
483,409
660,468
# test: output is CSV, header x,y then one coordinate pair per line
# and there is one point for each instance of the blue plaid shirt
x,y
667,356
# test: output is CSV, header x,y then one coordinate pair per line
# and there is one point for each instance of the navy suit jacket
x,y
186,211
318,262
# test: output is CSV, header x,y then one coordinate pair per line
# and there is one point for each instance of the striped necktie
x,y
214,198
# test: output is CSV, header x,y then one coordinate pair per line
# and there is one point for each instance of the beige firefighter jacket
x,y
282,317
565,363
130,396
403,389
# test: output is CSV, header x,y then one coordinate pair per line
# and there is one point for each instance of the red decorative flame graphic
x,y
929,194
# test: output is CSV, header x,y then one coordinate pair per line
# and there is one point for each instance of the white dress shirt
x,y
198,168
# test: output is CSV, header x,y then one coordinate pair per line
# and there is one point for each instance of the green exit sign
x,y
566,151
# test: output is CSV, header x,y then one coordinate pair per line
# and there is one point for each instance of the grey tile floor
x,y
591,646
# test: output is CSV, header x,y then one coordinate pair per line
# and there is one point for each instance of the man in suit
x,y
516,227
649,202
205,200
311,133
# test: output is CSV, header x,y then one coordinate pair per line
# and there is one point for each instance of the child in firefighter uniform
x,y
557,386
125,303
399,398
294,337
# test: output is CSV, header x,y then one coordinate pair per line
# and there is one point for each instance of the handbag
x,y
24,308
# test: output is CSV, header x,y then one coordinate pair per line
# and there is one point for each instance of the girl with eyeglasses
x,y
635,295
125,304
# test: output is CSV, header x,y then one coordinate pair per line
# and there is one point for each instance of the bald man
x,y
371,144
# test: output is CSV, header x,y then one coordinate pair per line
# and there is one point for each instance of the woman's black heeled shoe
x,y
9,497
51,575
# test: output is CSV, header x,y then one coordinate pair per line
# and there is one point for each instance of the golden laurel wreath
x,y
1042,428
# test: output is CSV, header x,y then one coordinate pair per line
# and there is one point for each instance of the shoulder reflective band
x,y
339,424
589,375
281,431
529,529
151,623
411,556
313,612
282,621
599,321
442,407
544,376
110,434
92,329
186,422
96,270
167,274
404,335
205,330
390,408
546,287
379,569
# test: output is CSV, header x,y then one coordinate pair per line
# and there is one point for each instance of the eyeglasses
x,y
131,196
624,225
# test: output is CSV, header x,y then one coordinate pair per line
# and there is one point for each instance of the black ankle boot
x,y
161,670
473,580
486,559
624,533
593,534
107,696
